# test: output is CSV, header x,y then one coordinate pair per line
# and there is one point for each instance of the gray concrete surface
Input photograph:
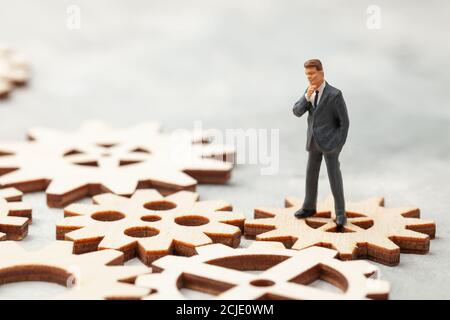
x,y
238,64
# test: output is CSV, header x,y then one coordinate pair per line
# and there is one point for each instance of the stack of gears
x,y
143,184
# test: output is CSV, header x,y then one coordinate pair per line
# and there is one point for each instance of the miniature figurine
x,y
328,125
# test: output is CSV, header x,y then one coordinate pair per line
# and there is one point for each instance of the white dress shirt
x,y
313,96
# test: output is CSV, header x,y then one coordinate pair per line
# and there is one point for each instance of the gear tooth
x,y
266,245
271,234
212,249
174,177
34,132
142,196
80,233
426,226
269,222
103,257
208,164
320,252
292,201
184,197
77,209
124,187
41,133
8,248
74,222
122,273
13,171
363,267
212,205
377,289
21,208
109,199
170,262
59,186
411,234
303,243
148,280
267,212
409,212
61,246
15,177
11,193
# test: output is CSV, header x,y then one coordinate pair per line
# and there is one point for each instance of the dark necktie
x,y
316,98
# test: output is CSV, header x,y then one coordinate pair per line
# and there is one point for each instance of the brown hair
x,y
313,63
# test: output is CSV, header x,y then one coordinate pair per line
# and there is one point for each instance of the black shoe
x,y
341,220
305,213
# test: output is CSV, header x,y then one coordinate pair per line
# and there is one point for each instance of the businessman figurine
x,y
328,125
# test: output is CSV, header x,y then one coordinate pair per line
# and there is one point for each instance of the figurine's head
x,y
314,72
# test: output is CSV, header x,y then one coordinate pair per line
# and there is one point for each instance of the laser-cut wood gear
x,y
372,231
95,275
13,71
149,225
15,215
97,159
285,274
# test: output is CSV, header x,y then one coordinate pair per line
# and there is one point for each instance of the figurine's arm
x,y
342,117
301,106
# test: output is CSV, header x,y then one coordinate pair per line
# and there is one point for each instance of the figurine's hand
x,y
310,91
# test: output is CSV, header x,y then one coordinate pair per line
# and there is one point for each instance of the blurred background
x,y
239,64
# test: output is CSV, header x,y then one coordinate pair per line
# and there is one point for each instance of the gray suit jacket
x,y
329,123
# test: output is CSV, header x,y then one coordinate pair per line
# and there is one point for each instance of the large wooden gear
x,y
149,225
285,274
372,231
97,159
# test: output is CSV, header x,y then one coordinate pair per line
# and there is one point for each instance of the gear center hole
x,y
262,283
24,280
141,232
191,221
108,216
160,205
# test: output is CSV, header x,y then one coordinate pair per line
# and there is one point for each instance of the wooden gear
x,y
286,274
98,159
372,231
149,225
93,275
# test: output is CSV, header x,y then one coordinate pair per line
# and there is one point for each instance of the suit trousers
x,y
334,176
